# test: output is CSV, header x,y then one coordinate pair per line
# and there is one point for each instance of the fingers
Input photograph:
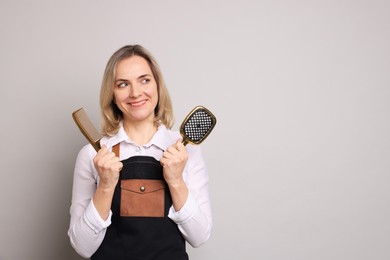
x,y
173,162
120,166
107,161
175,154
180,146
176,148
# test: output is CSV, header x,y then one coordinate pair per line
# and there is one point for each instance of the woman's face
x,y
135,90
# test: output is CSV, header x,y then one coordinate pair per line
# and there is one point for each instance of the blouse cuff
x,y
93,219
186,213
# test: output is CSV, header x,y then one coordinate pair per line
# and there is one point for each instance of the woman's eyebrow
x,y
143,76
139,77
120,80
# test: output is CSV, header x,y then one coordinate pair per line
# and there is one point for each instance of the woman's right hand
x,y
108,167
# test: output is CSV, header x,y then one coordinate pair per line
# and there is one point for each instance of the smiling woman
x,y
116,74
135,92
143,194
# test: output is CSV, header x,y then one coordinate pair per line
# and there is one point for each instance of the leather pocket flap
x,y
142,186
142,198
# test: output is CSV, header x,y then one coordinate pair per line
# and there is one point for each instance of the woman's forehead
x,y
133,66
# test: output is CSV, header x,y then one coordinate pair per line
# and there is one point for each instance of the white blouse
x,y
87,229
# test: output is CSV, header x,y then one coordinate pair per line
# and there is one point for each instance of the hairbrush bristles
x,y
197,125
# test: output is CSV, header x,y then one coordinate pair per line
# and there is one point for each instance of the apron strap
x,y
115,149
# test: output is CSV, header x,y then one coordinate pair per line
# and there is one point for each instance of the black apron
x,y
140,228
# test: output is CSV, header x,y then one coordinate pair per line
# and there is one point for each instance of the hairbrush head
x,y
197,125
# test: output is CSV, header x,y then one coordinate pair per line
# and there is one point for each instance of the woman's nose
x,y
135,91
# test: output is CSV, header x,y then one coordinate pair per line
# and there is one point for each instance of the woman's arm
x,y
87,228
108,167
194,218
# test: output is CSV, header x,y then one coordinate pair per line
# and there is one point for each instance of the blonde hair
x,y
111,115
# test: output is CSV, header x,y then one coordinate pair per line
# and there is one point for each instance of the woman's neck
x,y
140,133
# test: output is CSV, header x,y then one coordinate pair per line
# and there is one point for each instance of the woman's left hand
x,y
173,161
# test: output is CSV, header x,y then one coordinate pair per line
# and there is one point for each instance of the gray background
x,y
299,161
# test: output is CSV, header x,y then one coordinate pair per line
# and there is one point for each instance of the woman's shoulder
x,y
84,162
86,152
111,140
173,134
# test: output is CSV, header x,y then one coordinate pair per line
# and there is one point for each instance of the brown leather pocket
x,y
142,198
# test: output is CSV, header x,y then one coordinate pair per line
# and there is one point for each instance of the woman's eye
x,y
145,81
122,85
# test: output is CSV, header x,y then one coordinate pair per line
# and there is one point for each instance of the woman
x,y
144,193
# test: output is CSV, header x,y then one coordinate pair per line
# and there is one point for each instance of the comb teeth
x,y
198,125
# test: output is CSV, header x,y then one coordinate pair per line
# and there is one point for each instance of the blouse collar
x,y
163,138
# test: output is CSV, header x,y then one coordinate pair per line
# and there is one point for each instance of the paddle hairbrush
x,y
197,125
87,128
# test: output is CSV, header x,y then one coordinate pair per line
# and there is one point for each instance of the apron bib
x,y
140,228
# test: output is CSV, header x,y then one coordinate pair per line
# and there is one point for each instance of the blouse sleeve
x,y
87,229
195,218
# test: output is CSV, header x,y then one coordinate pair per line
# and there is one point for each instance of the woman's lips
x,y
137,104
